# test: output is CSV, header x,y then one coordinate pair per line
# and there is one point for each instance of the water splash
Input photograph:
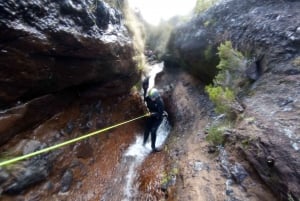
x,y
156,68
125,186
138,153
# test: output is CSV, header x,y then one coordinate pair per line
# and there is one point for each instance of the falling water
x,y
156,68
125,186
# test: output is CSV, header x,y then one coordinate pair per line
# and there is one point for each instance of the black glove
x,y
154,114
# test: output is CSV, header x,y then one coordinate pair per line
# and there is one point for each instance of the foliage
x,y
232,63
215,134
227,82
167,177
229,57
221,97
203,5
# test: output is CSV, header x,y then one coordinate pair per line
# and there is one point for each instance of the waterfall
x,y
125,186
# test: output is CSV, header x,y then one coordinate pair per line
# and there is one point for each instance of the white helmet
x,y
153,93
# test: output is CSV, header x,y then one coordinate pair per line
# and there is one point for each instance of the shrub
x,y
226,84
215,135
232,65
221,97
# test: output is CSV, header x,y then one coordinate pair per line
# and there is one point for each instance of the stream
x,y
125,185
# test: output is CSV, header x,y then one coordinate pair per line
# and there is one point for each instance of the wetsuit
x,y
156,107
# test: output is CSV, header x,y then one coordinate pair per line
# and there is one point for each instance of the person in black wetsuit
x,y
156,108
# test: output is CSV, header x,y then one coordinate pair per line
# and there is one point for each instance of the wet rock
x,y
270,161
212,149
268,31
31,146
66,181
199,166
238,173
30,114
70,127
36,170
253,71
4,175
83,150
48,186
256,27
48,46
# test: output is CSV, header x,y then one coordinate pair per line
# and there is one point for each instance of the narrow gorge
x,y
69,68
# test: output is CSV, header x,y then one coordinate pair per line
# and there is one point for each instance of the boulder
x,y
47,46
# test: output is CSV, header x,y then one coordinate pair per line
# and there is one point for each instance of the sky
x,y
155,10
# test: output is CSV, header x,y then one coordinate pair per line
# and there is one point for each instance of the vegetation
x,y
224,89
167,177
215,134
232,62
203,5
221,97
226,84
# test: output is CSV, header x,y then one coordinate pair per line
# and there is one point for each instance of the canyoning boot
x,y
154,150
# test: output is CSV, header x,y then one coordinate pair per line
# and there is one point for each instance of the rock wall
x,y
268,32
54,51
47,46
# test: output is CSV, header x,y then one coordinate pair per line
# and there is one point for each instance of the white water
x,y
156,68
125,185
136,153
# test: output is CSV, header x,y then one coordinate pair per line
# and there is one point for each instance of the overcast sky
x,y
154,10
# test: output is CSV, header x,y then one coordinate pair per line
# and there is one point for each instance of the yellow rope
x,y
68,142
